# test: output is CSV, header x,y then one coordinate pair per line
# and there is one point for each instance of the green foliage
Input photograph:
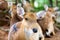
x,y
40,4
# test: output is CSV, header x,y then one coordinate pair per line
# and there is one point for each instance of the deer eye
x,y
26,18
18,6
34,30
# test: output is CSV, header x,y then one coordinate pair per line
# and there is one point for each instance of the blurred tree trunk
x,y
19,1
16,2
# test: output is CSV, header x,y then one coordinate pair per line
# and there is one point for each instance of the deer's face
x,y
47,23
33,31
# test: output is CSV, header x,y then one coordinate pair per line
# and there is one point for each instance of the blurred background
x,y
39,5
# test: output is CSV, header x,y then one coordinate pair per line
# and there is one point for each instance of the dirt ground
x,y
4,36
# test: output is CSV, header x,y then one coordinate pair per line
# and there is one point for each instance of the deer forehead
x,y
30,16
51,10
14,7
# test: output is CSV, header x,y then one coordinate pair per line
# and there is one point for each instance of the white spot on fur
x,y
28,32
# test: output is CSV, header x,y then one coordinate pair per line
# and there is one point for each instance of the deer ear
x,y
56,8
46,7
20,10
10,4
24,2
40,14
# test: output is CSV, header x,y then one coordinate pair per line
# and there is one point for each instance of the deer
x,y
45,20
27,29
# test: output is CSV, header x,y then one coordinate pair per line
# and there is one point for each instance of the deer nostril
x,y
40,17
34,30
48,36
51,34
46,30
40,38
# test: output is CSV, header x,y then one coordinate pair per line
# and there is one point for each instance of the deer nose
x,y
34,30
40,38
46,30
40,17
48,36
51,34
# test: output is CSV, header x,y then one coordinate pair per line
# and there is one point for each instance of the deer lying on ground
x,y
27,29
45,20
